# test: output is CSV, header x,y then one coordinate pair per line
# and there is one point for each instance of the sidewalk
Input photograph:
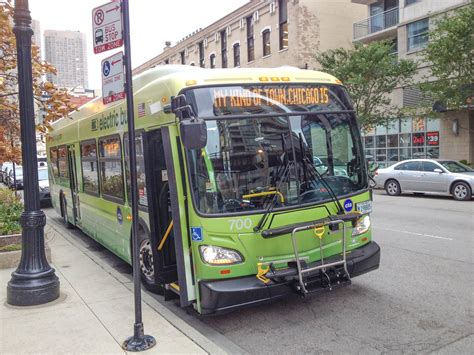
x,y
94,313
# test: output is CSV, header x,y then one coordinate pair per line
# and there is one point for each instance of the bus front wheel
x,y
146,262
64,212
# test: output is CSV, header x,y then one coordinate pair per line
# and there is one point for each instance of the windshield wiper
x,y
314,173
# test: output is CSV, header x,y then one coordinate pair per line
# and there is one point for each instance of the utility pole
x,y
34,281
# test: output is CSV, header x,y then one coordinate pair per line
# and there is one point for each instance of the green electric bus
x,y
252,183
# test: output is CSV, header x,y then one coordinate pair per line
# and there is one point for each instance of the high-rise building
x,y
36,39
66,51
406,23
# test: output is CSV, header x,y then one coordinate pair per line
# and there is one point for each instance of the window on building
x,y
62,162
236,55
167,61
183,57
250,40
212,61
90,176
266,43
224,48
141,180
418,34
409,2
201,54
110,158
283,22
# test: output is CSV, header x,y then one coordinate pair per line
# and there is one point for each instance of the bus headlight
x,y
219,256
362,226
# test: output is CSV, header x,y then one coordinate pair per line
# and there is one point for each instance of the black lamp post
x,y
34,281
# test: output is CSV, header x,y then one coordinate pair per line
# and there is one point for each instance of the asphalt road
x,y
420,300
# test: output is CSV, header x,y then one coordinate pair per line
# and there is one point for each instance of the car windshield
x,y
251,162
455,167
42,174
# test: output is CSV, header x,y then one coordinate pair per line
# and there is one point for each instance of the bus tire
x,y
64,214
461,191
392,187
146,262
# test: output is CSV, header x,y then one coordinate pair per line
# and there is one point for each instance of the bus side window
x,y
110,166
53,156
62,162
90,176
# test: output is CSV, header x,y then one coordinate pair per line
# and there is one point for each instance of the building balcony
x,y
377,26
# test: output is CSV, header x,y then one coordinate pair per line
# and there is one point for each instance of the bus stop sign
x,y
107,27
113,78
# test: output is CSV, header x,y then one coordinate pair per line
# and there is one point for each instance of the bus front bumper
x,y
227,295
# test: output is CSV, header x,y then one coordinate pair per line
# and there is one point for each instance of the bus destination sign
x,y
250,97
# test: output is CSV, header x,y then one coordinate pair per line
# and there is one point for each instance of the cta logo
x,y
348,205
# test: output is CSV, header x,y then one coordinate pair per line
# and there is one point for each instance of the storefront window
x,y
432,124
418,124
369,142
405,153
419,152
392,140
432,152
405,125
405,140
393,127
392,156
380,129
381,141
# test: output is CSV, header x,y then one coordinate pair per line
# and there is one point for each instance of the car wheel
x,y
393,188
461,191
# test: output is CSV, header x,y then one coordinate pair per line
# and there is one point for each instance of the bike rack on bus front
x,y
323,266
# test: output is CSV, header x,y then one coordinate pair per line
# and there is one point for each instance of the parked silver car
x,y
438,176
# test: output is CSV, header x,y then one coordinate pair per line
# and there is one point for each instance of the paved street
x,y
420,300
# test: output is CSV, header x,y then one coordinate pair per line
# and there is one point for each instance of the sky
x,y
152,22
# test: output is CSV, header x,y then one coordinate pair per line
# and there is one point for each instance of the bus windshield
x,y
252,162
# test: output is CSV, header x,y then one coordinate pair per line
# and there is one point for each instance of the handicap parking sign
x,y
196,234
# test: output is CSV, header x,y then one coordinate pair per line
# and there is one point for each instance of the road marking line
x,y
414,233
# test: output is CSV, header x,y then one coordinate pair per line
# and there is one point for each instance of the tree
x,y
53,101
370,73
450,53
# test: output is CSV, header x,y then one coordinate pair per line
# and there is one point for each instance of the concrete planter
x,y
11,259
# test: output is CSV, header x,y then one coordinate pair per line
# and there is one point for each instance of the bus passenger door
x,y
159,208
73,183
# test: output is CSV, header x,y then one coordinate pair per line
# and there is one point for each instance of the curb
x,y
207,338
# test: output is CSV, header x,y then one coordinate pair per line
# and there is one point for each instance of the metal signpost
x,y
108,21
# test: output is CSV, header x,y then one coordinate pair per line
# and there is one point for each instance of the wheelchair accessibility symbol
x,y
106,68
196,234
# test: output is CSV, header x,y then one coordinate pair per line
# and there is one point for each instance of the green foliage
x,y
10,212
10,247
370,73
450,52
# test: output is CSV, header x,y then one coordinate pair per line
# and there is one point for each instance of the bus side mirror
x,y
193,133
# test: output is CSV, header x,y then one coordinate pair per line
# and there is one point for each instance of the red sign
x,y
418,139
107,27
432,138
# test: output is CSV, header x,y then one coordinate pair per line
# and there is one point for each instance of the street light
x,y
34,281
